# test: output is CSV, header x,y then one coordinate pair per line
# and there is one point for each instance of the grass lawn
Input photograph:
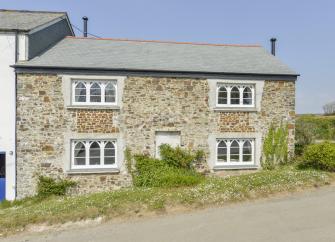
x,y
131,202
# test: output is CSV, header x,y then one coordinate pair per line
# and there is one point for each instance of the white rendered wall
x,y
8,104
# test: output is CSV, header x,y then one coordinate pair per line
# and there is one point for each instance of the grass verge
x,y
130,202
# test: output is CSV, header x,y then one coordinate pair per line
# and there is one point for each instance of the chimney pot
x,y
273,46
85,25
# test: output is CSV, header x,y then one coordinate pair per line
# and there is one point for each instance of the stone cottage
x,y
83,101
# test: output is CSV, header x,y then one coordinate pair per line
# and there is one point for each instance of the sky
x,y
305,30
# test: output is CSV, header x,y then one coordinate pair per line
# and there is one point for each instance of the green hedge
x,y
48,186
152,172
178,157
315,127
319,156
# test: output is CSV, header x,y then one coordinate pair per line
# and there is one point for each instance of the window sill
x,y
235,167
112,107
235,109
93,171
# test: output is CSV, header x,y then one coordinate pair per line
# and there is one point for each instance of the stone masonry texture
x,y
149,105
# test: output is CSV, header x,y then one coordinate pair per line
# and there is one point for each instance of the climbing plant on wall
x,y
275,146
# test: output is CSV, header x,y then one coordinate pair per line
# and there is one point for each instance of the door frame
x,y
3,180
169,133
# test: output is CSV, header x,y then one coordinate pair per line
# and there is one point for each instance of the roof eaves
x,y
26,66
14,30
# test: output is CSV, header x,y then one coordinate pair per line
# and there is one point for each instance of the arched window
x,y
79,154
235,96
222,95
247,96
247,151
234,151
95,92
109,158
222,151
94,153
80,92
110,93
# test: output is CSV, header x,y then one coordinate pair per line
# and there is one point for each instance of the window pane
x,y
234,96
247,101
110,93
79,150
222,95
95,93
109,152
247,151
222,152
222,155
79,161
222,158
94,161
79,154
95,154
80,92
109,149
80,99
234,151
109,160
247,96
247,158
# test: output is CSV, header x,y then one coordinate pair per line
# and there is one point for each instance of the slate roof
x,y
116,54
23,20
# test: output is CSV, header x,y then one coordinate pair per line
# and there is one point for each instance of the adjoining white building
x,y
23,36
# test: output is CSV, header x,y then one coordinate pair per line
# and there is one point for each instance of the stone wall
x,y
235,122
148,105
42,124
165,104
86,121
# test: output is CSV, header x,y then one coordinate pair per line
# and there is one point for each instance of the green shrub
x,y
48,186
319,156
152,172
275,147
304,135
178,157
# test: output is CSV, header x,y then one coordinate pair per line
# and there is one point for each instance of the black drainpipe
x,y
85,26
273,46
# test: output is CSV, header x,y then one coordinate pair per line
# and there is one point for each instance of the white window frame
x,y
87,143
241,87
240,142
88,83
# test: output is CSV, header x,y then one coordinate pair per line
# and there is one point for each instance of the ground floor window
x,y
235,151
93,154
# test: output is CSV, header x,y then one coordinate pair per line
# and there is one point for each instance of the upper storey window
x,y
94,92
230,95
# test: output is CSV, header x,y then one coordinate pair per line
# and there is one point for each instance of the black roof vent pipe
x,y
85,26
273,46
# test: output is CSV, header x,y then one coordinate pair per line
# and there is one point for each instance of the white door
x,y
167,137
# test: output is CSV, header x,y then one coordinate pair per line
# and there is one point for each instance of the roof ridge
x,y
30,11
165,42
